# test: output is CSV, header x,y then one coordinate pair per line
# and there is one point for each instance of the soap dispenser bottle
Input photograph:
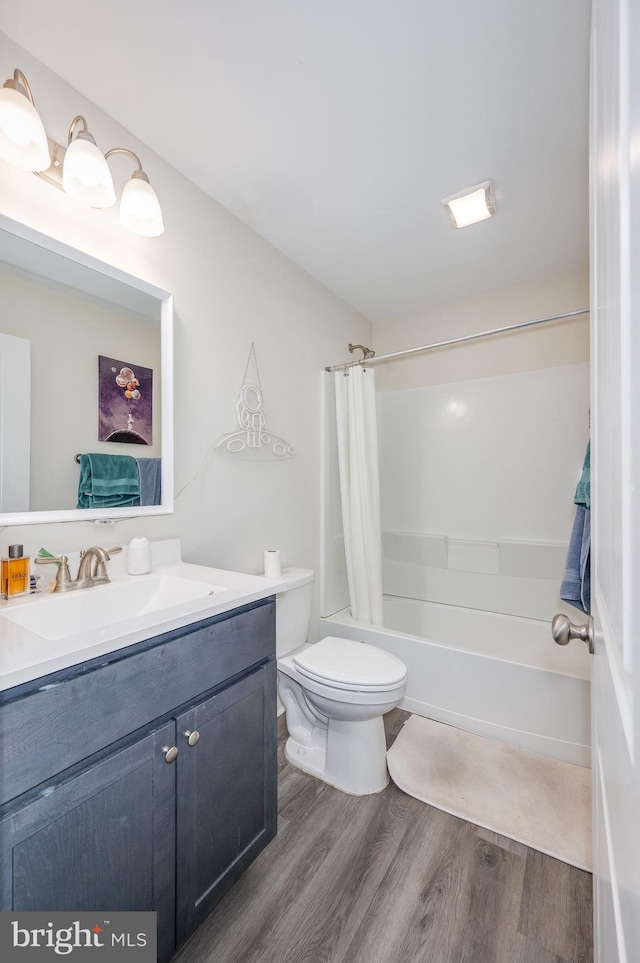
x,y
14,578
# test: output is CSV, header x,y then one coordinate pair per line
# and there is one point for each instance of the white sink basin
x,y
83,610
42,634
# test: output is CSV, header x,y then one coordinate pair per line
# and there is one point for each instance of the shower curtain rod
x,y
444,344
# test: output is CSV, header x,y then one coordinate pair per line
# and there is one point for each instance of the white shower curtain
x,y
360,490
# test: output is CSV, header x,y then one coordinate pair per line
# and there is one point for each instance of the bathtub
x,y
501,676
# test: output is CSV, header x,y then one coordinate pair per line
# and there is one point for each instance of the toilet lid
x,y
350,665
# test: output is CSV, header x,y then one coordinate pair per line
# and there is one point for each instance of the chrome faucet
x,y
86,577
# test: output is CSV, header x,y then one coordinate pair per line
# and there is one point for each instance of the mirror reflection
x,y
81,385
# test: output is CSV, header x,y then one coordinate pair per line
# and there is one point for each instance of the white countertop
x,y
25,655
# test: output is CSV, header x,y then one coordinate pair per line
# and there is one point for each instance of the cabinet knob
x,y
192,737
170,753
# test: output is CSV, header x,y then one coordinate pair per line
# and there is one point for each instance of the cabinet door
x,y
101,839
226,792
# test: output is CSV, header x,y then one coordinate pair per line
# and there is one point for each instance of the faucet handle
x,y
64,582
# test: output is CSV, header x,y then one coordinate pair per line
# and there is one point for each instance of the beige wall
x,y
231,288
545,346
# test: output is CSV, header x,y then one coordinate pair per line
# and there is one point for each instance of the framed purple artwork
x,y
125,393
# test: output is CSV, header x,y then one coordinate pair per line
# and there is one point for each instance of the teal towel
x,y
108,481
583,491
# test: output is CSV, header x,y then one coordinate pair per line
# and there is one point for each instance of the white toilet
x,y
335,693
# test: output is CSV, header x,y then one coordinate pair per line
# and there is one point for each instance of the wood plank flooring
x,y
388,879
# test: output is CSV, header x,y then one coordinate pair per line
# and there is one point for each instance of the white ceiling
x,y
334,129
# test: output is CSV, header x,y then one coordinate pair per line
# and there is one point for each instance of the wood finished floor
x,y
388,879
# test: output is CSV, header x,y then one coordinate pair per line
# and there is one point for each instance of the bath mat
x,y
538,801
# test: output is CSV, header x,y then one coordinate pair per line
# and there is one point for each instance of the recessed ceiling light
x,y
471,205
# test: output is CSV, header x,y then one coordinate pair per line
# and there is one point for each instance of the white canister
x,y
139,556
272,566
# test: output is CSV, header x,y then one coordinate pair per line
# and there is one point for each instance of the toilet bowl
x,y
335,693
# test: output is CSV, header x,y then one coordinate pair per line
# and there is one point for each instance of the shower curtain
x,y
360,490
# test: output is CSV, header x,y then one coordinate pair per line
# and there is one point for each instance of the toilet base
x,y
354,759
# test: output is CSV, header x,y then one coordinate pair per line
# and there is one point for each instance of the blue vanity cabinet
x,y
98,839
175,793
226,810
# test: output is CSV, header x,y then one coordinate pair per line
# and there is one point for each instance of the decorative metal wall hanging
x,y
252,438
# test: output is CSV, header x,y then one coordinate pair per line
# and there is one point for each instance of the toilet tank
x,y
293,609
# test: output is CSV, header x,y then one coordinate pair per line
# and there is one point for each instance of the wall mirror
x,y
60,311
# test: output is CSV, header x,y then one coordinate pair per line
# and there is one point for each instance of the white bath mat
x,y
541,802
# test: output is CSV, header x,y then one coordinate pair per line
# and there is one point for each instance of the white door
x,y
15,423
615,306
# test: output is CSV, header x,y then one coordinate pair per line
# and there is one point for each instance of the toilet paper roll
x,y
272,566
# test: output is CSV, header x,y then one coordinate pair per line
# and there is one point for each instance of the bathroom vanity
x,y
143,778
137,718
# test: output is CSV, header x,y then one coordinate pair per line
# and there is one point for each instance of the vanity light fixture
x,y
471,205
81,168
23,141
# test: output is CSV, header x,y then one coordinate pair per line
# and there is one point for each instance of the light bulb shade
x,y
140,208
23,141
86,175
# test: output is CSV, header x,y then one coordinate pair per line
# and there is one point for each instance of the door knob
x,y
170,753
563,631
192,737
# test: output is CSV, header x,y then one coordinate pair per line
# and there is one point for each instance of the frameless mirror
x,y
86,362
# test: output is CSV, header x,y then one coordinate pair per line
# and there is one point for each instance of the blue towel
x,y
576,585
583,490
108,481
150,474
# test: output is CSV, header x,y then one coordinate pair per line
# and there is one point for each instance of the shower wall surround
x,y
477,481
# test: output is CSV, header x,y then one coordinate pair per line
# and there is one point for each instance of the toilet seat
x,y
348,665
